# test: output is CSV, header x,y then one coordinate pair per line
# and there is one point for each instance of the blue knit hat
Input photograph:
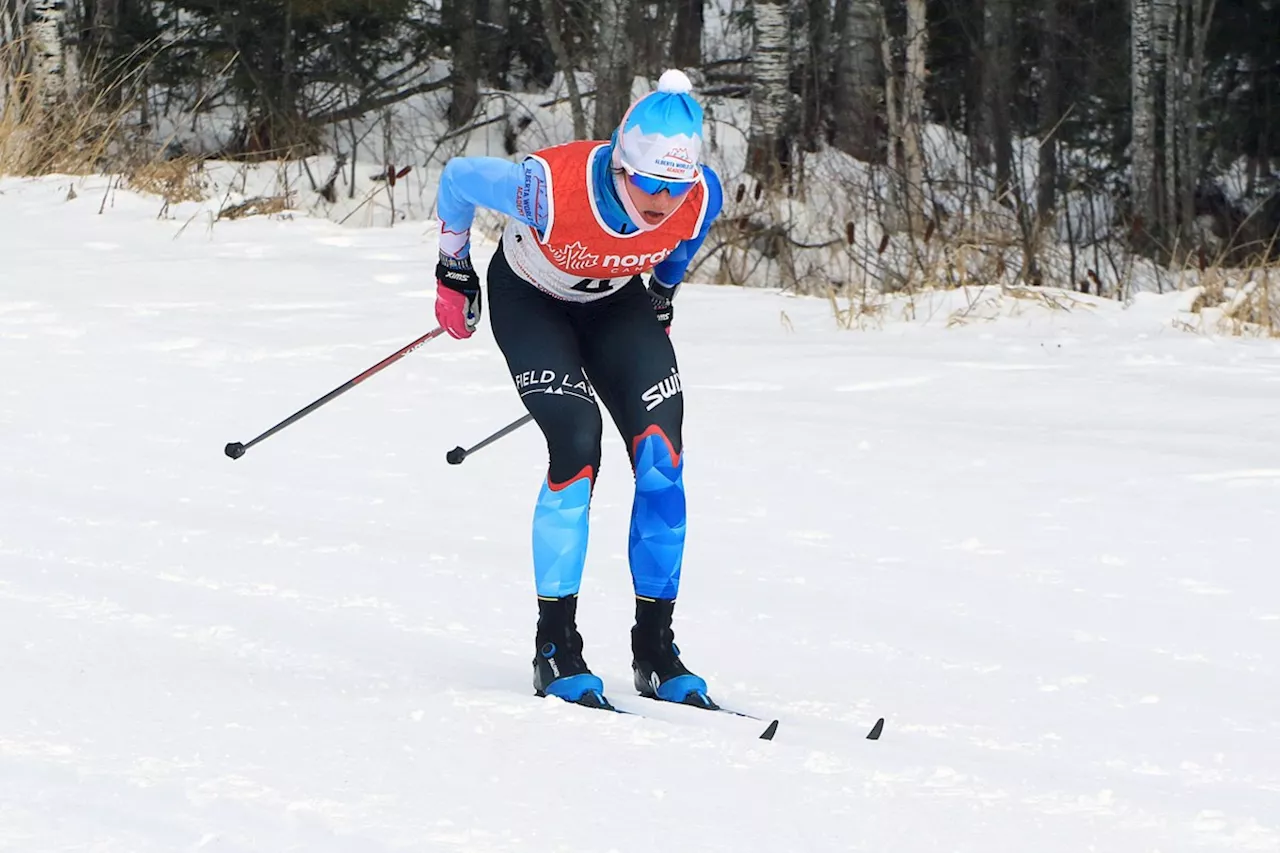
x,y
661,134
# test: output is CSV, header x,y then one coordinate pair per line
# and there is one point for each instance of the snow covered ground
x,y
1044,547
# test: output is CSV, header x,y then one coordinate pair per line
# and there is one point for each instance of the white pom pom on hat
x,y
676,81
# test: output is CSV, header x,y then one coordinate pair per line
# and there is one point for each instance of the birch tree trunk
x,y
47,51
893,112
856,70
614,63
1142,156
766,143
1050,109
997,77
913,84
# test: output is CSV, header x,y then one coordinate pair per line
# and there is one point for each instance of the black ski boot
x,y
656,665
558,667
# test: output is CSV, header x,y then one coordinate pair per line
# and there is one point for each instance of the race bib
x,y
520,246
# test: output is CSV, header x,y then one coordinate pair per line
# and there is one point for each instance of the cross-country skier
x,y
575,321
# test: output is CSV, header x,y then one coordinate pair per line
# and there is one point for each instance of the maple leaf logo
x,y
574,256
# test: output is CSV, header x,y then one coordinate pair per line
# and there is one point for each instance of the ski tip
x,y
769,731
874,734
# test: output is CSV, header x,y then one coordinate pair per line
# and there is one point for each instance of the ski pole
x,y
455,456
235,449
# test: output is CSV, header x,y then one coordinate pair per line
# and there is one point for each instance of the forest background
x,y
869,148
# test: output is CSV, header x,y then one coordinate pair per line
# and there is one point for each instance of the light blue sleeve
x,y
518,190
672,269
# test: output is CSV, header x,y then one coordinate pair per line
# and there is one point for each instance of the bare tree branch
x,y
369,105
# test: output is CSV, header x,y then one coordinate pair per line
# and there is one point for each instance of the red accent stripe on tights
x,y
587,471
655,430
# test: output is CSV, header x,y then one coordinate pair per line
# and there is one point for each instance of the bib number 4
x,y
594,285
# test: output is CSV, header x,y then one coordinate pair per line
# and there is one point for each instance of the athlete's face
x,y
654,207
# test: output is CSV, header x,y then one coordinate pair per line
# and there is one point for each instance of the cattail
x,y
848,233
884,244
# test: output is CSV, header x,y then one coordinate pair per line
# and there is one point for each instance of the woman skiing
x,y
576,322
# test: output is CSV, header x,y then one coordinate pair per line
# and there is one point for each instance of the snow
x,y
1037,535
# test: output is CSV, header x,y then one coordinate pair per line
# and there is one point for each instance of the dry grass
x,y
175,180
87,140
260,206
75,138
1241,300
988,263
909,271
1236,301
90,133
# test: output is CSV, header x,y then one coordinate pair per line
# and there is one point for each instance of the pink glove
x,y
457,296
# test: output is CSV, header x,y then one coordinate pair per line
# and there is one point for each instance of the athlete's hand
x,y
661,296
457,296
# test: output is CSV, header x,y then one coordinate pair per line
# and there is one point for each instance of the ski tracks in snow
x,y
1043,552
